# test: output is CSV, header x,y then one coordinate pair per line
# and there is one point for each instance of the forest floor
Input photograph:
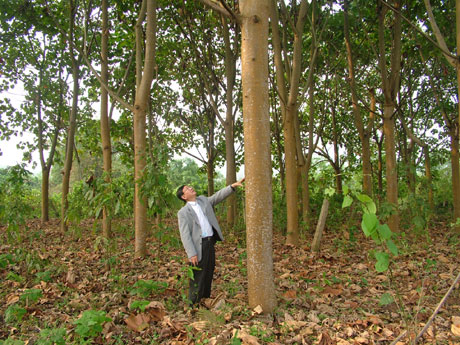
x,y
50,280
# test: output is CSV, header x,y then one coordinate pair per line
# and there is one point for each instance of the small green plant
x,y
52,336
31,296
5,260
89,325
11,341
14,314
45,276
14,277
371,226
235,340
145,288
141,305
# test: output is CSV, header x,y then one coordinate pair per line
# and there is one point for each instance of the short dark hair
x,y
180,192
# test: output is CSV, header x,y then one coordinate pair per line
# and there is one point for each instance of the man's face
x,y
189,193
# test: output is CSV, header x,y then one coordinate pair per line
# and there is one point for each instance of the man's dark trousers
x,y
200,285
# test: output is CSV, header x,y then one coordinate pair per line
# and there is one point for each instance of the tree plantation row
x,y
355,102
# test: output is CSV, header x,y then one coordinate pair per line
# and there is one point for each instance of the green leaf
x,y
369,223
364,198
383,261
370,208
345,190
386,299
347,201
384,231
139,305
392,247
329,191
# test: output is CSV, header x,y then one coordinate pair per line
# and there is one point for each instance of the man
x,y
199,231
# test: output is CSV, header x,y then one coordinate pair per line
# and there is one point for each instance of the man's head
x,y
186,193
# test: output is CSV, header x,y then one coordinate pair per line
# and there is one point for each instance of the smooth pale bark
x,y
144,78
289,106
72,125
258,186
316,244
390,88
105,129
364,133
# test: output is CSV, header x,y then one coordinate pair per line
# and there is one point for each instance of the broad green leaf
x,y
386,299
369,223
370,208
345,190
384,231
383,261
392,247
364,198
347,201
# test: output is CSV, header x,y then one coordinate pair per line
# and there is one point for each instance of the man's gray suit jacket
x,y
189,226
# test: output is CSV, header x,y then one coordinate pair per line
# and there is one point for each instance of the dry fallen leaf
x,y
246,338
200,325
156,310
258,310
325,339
291,294
292,325
138,322
70,277
455,328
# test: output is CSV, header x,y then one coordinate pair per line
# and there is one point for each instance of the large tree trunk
x,y
254,63
105,128
144,78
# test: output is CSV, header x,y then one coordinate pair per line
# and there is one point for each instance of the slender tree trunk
x,y
390,164
289,111
429,177
72,126
366,154
336,165
45,194
259,222
210,174
390,86
230,73
454,145
380,166
363,134
144,78
105,127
